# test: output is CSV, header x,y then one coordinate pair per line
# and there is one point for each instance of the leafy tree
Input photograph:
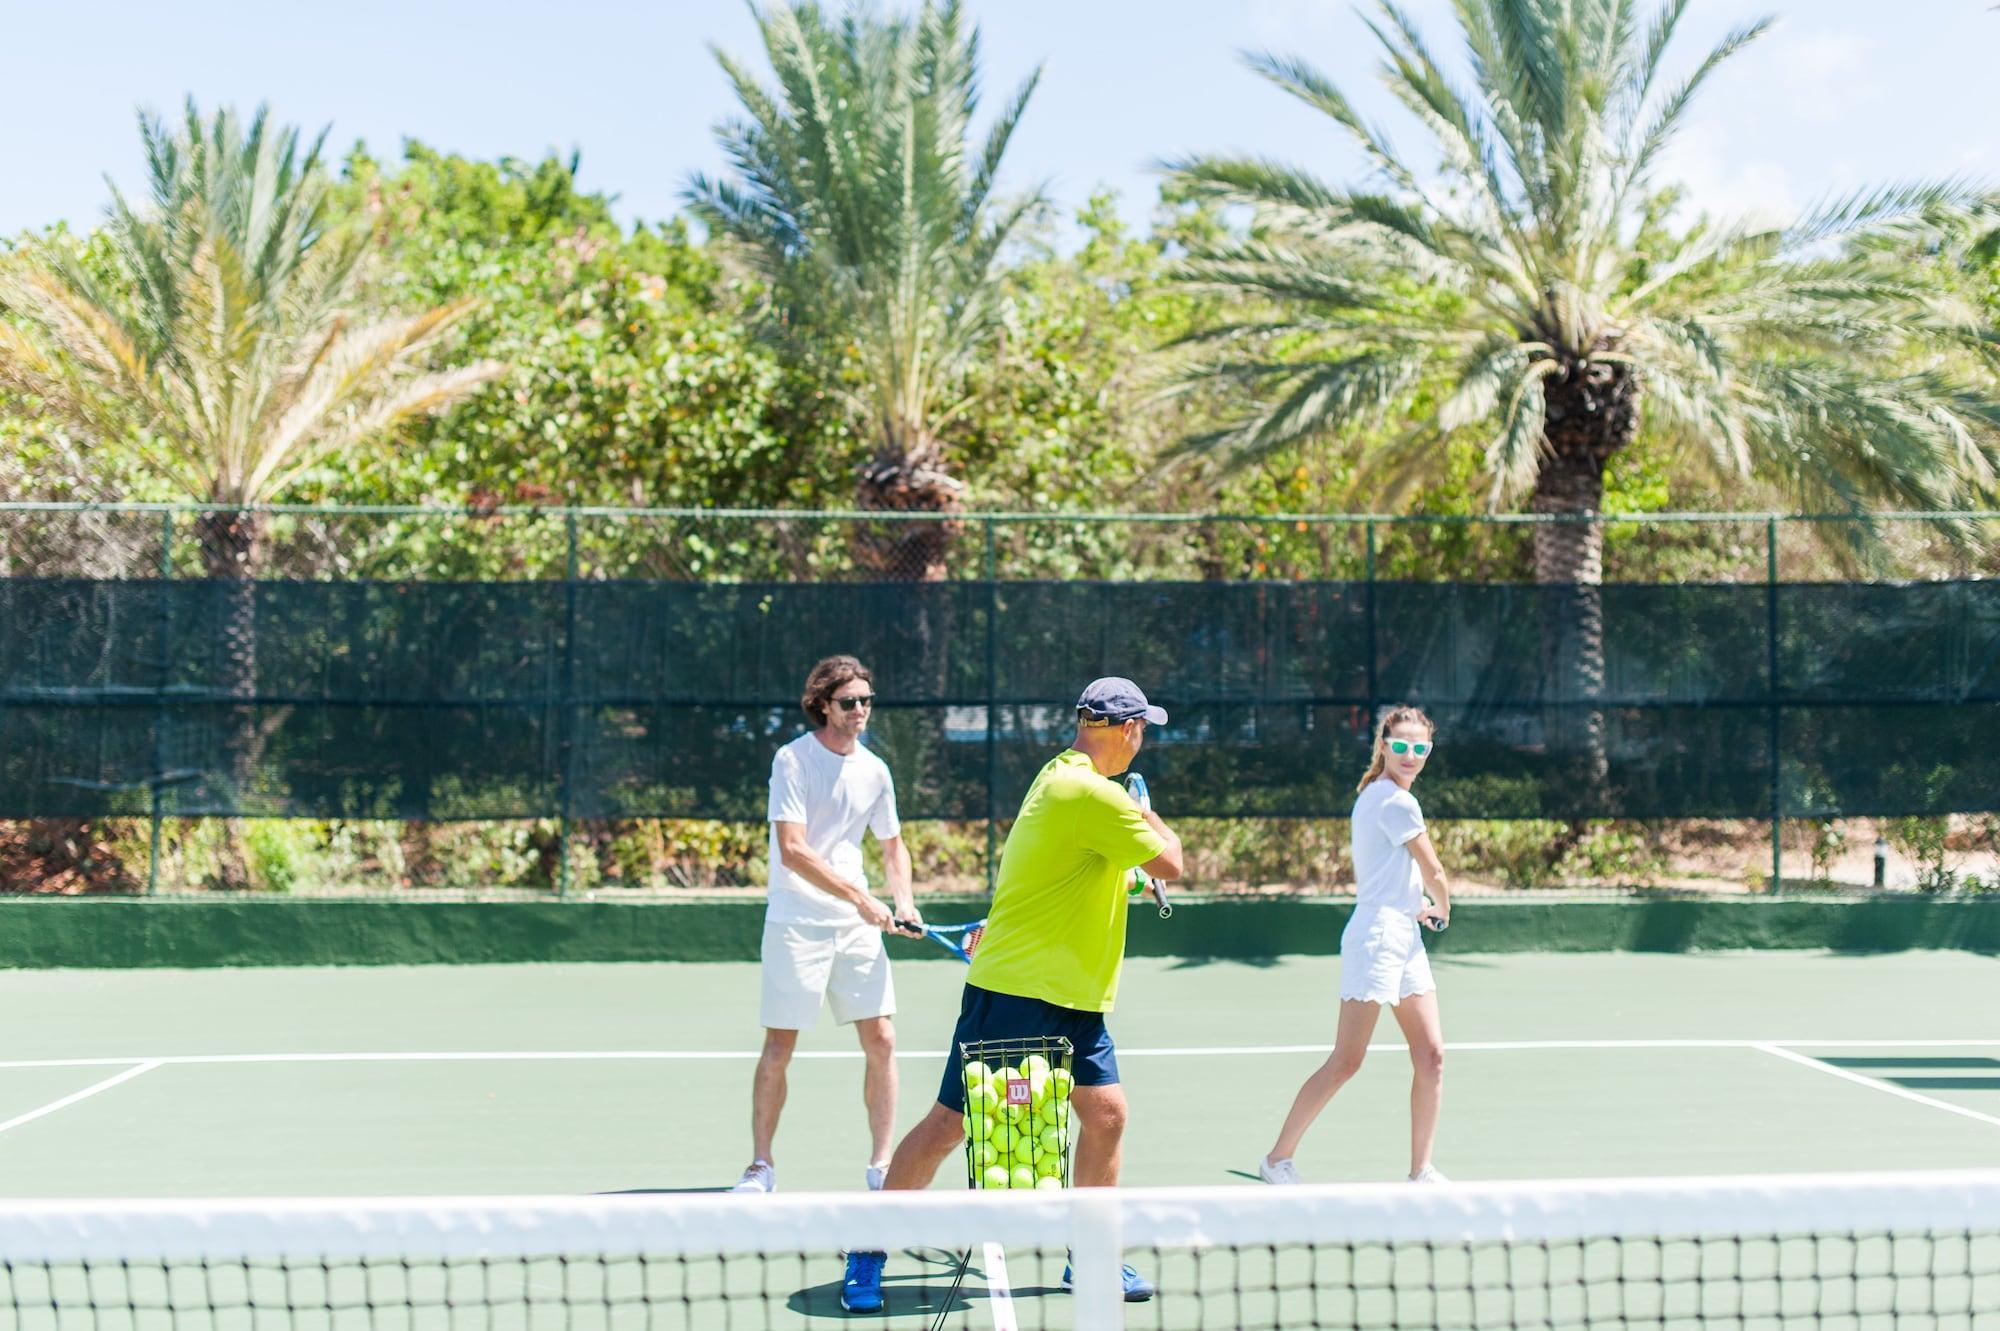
x,y
636,376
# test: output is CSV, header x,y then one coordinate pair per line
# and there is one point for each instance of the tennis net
x,y
1911,1250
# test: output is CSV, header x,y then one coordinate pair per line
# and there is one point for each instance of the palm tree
x,y
228,345
1510,297
226,349
859,199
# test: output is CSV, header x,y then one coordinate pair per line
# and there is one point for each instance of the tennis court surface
x,y
619,1094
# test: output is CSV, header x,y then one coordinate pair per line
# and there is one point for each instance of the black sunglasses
x,y
851,704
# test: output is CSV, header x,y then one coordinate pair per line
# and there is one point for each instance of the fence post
x,y
161,715
1369,527
1771,685
992,702
567,744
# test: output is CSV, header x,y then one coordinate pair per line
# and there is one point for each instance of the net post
x,y
1771,684
1097,1254
161,716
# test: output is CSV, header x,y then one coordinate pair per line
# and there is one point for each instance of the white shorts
x,y
845,964
1382,957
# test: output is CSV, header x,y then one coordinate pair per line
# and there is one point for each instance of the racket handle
x,y
1159,892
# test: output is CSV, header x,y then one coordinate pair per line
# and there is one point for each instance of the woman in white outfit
x,y
1382,957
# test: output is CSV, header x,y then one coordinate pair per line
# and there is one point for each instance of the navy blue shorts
x,y
985,1015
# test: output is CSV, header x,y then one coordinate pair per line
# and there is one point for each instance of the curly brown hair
x,y
826,677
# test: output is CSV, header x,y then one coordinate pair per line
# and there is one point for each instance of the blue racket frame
x,y
948,936
1135,786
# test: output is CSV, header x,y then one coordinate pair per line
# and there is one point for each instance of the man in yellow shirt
x,y
1055,938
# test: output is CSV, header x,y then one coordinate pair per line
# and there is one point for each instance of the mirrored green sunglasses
x,y
1420,747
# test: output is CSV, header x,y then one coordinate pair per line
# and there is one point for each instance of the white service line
x,y
84,1094
746,1055
1876,1084
999,1293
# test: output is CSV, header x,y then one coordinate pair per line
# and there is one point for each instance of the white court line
x,y
746,1055
1876,1084
83,1094
999,1293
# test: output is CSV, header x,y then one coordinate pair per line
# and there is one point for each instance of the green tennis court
x,y
589,1079
584,1080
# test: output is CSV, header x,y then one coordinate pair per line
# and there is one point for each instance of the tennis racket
x,y
1135,786
961,940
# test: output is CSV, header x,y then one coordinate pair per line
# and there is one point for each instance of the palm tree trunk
x,y
912,482
1592,413
229,548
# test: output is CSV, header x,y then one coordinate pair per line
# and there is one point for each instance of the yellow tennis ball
x,y
1051,1114
1060,1082
1022,1177
1050,1140
1050,1165
981,1099
1033,1064
1048,1181
984,1153
996,1176
975,1073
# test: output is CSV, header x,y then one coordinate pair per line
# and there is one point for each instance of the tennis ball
x,y
1020,1142
1022,1177
1050,1115
1051,1140
1049,1166
1019,1114
977,1074
996,1176
1032,1064
978,1126
984,1154
1048,1181
980,1099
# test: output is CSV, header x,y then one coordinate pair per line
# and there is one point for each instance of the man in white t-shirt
x,y
823,928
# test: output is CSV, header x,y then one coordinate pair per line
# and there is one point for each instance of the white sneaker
x,y
1428,1174
1282,1172
760,1177
876,1175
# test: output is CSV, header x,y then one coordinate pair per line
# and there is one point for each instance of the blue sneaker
x,y
861,1292
1137,1288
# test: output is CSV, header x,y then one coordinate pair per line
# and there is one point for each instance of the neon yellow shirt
x,y
1057,927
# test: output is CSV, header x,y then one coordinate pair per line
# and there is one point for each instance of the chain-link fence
x,y
571,669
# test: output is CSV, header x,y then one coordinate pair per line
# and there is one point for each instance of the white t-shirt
x,y
837,797
1385,819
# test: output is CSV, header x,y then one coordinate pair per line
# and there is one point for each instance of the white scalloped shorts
x,y
1382,957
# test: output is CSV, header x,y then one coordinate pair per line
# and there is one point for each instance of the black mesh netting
x,y
438,700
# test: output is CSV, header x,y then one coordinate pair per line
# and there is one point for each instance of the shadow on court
x,y
926,1292
1894,1070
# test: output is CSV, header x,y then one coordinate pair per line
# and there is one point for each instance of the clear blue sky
x,y
1845,92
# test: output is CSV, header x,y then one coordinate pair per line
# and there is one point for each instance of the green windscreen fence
x,y
617,699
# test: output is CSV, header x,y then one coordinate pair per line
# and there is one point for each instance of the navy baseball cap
x,y
1120,700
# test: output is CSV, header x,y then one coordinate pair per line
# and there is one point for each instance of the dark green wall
x,y
41,932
